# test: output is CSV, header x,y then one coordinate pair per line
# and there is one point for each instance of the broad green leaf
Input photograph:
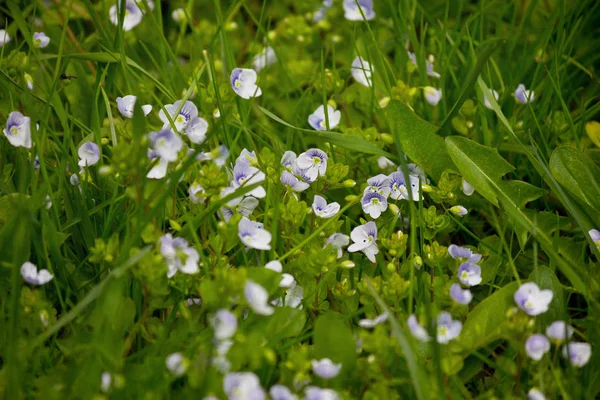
x,y
493,259
8,204
333,339
479,165
546,279
521,192
577,174
419,139
286,322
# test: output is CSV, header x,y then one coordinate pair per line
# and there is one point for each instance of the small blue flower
x,y
196,192
218,155
280,392
428,64
18,130
181,120
371,323
126,104
459,210
362,71
432,95
379,184
253,235
317,119
469,274
417,330
337,241
325,368
315,393
578,353
178,255
536,346
595,235
28,80
177,364
313,162
243,83
4,37
257,298
398,190
264,59
459,295
324,210
89,154
486,102
244,174
447,328
560,331
167,144
290,181
40,40
247,157
133,15
458,252
365,238
31,275
288,160
523,95
535,394
532,300
374,204
467,188
353,8
224,324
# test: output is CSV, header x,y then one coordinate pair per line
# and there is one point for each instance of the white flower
x,y
133,15
486,102
290,181
182,119
247,157
274,265
536,346
353,8
523,95
126,105
385,163
196,130
253,235
196,192
178,255
167,144
379,184
535,394
40,40
362,71
105,382
31,274
463,253
371,323
398,189
447,328
578,353
280,392
313,162
417,329
467,188
177,364
559,331
459,295
532,300
18,130
288,160
89,154
243,83
317,119
428,64
224,323
4,37
595,235
257,298
264,59
469,274
159,170
178,15
374,204
325,368
364,238
243,386
432,95
337,241
245,175
324,210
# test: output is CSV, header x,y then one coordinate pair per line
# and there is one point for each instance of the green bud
x,y
349,183
386,137
383,103
347,264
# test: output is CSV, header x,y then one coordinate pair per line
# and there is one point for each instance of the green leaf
x,y
479,165
493,259
546,279
577,173
333,339
419,139
521,192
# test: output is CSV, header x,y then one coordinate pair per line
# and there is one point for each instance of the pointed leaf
x,y
577,173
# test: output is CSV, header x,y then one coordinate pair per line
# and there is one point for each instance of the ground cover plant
x,y
339,199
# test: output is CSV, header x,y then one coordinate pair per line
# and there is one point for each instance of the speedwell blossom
x,y
321,13
523,95
290,181
247,157
316,393
133,15
89,154
177,364
280,392
126,104
218,155
371,323
178,255
353,8
224,324
398,189
486,101
459,295
159,170
578,353
325,368
186,120
40,40
559,331
469,274
288,160
532,300
337,241
595,235
324,210
178,15
28,80
467,188
385,163
257,298
374,204
428,64
197,192
287,280
244,206
167,144
362,71
379,184
535,394
432,95
243,386
463,253
18,130
253,235
4,37
30,273
264,59
364,238
536,346
447,328
417,330
317,119
313,162
459,210
243,82
245,175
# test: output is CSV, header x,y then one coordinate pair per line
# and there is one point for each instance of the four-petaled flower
x,y
18,130
224,324
325,368
374,204
290,181
245,175
354,10
243,82
40,40
178,255
447,328
324,210
532,300
337,241
257,298
417,330
362,71
469,274
398,188
89,154
318,121
432,95
133,15
459,295
126,104
559,331
177,364
313,162
253,235
463,253
371,323
263,59
243,386
30,273
523,95
364,238
578,353
536,346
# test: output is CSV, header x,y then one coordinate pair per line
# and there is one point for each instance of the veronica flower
x,y
218,155
337,241
220,361
178,255
432,95
167,144
447,328
467,188
317,119
280,392
374,204
595,235
325,368
264,59
532,300
40,40
321,13
364,238
535,394
18,130
257,298
417,329
244,174
315,393
362,71
243,206
159,170
353,8
30,273
74,180
536,346
578,353
89,154
463,253
253,235
290,181
379,184
397,185
247,157
385,163
224,324
243,386
486,102
28,80
196,130
288,160
559,331
523,95
126,104
428,64
313,162
4,37
133,15
371,323
459,295
469,274
177,364
324,210
274,265
181,120
196,192
459,210
105,382
243,82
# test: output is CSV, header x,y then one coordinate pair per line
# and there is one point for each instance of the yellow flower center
x,y
316,160
238,83
14,130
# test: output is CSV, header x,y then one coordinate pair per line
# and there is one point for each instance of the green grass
x,y
111,308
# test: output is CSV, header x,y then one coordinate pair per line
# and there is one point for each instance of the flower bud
x,y
383,103
104,141
459,210
332,103
349,183
418,262
386,137
426,188
351,198
29,81
347,264
394,209
216,113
